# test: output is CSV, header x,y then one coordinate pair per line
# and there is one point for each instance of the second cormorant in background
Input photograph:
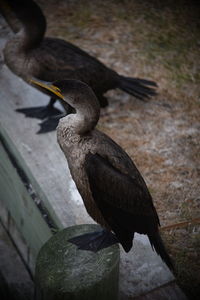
x,y
30,54
114,192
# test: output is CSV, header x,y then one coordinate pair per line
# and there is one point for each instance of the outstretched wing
x,y
123,200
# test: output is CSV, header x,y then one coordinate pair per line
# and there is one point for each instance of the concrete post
x,y
63,272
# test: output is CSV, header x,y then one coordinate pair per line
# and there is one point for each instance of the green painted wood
x,y
15,280
9,225
23,197
19,203
63,272
8,143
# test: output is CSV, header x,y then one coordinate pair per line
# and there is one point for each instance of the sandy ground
x,y
160,42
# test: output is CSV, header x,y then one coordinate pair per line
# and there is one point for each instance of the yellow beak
x,y
50,87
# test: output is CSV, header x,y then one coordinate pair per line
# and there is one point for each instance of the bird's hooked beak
x,y
47,86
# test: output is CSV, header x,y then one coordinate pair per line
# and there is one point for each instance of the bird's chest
x,y
68,142
74,147
75,150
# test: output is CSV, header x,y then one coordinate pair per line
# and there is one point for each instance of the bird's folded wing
x,y
111,186
121,200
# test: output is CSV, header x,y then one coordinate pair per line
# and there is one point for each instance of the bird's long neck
x,y
9,16
33,23
84,120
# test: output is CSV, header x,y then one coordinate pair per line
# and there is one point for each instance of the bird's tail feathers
x,y
137,87
158,245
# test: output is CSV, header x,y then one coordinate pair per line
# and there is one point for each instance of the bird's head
x,y
75,92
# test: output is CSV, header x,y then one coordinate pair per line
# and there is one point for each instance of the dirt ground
x,y
157,40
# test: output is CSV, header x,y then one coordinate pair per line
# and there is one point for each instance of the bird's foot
x,y
39,112
94,241
49,124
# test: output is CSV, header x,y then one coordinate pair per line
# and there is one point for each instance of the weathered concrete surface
x,y
141,270
166,292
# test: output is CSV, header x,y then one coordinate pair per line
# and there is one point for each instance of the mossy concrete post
x,y
64,272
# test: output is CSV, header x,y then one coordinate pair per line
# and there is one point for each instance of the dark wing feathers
x,y
63,45
57,59
61,58
124,201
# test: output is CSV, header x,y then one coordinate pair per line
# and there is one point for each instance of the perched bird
x,y
113,191
29,54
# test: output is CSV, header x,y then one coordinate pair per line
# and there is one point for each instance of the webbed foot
x,y
94,241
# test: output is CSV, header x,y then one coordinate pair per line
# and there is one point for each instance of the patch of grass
x,y
185,211
164,33
184,247
188,270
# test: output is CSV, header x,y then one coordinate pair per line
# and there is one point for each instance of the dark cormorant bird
x,y
30,54
114,193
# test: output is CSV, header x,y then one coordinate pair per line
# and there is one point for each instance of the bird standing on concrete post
x,y
113,191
